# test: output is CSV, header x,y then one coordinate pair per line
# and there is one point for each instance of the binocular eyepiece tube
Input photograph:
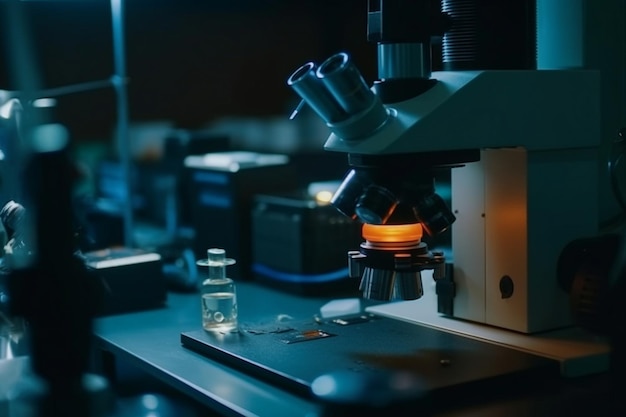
x,y
305,82
337,92
345,83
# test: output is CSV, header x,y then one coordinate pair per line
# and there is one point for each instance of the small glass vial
x,y
219,298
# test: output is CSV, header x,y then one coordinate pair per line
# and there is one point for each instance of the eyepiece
x,y
339,95
305,82
346,84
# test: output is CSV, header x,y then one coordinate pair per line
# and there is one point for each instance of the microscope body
x,y
533,190
521,133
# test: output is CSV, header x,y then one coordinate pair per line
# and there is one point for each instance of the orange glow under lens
x,y
392,232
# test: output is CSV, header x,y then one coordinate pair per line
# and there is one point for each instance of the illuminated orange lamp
x,y
392,233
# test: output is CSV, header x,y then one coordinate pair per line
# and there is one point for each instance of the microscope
x,y
522,149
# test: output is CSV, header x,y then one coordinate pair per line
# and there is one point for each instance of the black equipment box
x,y
222,189
300,244
133,279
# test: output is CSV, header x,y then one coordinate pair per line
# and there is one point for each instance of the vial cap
x,y
216,257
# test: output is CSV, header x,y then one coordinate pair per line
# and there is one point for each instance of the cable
x,y
615,158
612,166
615,184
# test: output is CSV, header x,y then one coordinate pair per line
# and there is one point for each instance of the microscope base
x,y
578,352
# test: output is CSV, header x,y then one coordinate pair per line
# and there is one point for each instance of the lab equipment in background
x,y
218,292
222,188
298,240
164,219
160,188
10,146
133,279
51,287
122,279
593,271
14,338
167,177
161,206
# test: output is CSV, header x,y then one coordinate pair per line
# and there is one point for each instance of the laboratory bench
x,y
150,342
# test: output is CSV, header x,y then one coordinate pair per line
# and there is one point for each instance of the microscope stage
x,y
292,354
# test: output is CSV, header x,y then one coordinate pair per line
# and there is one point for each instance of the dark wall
x,y
189,61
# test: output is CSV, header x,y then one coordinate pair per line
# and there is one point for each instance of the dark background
x,y
193,62
188,61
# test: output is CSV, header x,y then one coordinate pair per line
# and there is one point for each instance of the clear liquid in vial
x,y
219,311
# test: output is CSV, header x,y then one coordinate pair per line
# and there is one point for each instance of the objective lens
x,y
377,284
347,194
434,215
376,205
408,286
396,256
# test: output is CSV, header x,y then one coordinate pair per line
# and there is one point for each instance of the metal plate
x,y
441,360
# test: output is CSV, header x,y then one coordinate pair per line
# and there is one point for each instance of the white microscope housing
x,y
533,190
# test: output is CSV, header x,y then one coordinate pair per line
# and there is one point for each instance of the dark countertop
x,y
150,340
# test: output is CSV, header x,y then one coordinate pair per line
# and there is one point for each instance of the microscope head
x,y
391,193
337,92
381,187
